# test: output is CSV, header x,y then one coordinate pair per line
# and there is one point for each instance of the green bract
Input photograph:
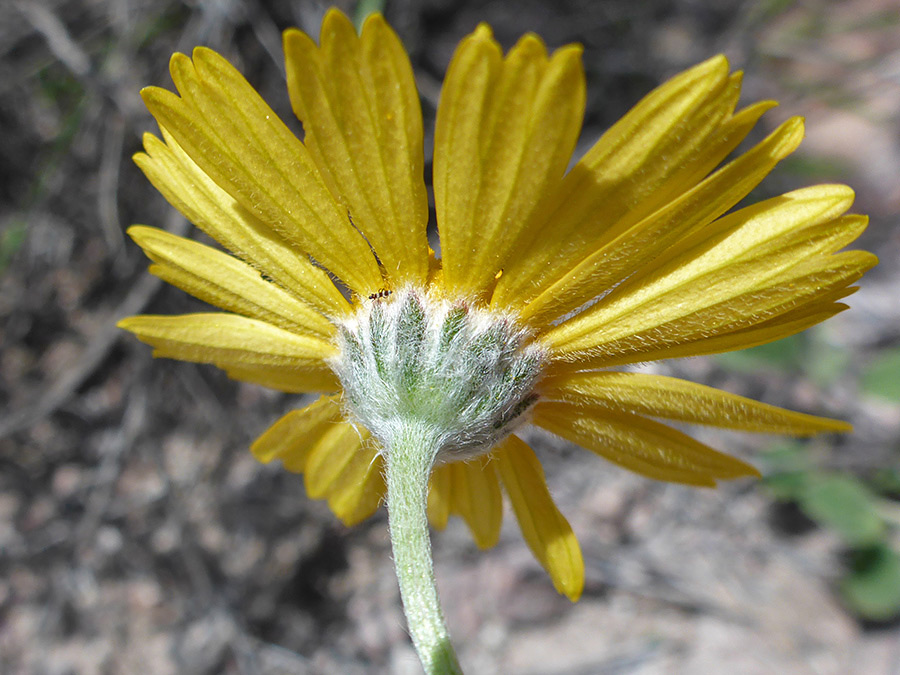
x,y
465,376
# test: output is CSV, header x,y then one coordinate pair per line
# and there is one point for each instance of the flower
x,y
547,282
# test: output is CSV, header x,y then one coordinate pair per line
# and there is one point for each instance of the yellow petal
x,y
353,503
623,249
457,154
656,152
215,212
236,139
360,110
227,340
675,399
339,460
751,251
288,380
753,306
353,473
226,282
438,505
546,531
640,445
777,328
505,131
475,496
332,454
795,227
781,326
292,437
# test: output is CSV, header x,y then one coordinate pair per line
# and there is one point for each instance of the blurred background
x,y
137,534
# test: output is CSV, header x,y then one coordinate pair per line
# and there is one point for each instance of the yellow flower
x,y
546,279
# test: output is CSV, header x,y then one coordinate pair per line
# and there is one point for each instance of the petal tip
x,y
790,134
153,94
205,54
140,158
867,261
573,592
151,143
335,21
295,40
717,62
129,323
533,44
291,33
375,21
569,52
797,124
206,60
836,427
179,63
136,232
753,472
482,32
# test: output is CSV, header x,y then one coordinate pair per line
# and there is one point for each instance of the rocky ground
x,y
137,534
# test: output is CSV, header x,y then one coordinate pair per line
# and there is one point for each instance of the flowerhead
x,y
548,281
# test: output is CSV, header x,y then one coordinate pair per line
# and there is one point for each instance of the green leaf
x,y
886,481
845,505
824,362
872,588
788,485
881,377
786,455
785,354
11,241
786,470
815,168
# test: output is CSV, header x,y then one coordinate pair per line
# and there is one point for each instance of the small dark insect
x,y
380,294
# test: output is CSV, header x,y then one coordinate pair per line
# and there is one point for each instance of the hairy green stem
x,y
409,460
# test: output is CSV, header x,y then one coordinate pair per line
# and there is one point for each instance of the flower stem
x,y
409,460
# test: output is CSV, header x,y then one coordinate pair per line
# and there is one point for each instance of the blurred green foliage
x,y
64,93
150,29
872,585
860,513
843,504
809,353
814,168
786,354
881,376
11,240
